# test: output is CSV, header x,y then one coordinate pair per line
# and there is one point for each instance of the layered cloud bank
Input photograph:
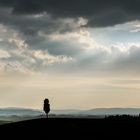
x,y
38,35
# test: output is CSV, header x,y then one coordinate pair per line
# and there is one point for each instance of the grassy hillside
x,y
71,128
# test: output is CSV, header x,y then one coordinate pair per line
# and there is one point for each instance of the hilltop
x,y
70,128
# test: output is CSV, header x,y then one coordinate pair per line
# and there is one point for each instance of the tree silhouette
x,y
46,107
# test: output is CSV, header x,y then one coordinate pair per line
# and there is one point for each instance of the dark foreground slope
x,y
73,128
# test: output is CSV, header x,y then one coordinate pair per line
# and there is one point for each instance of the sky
x,y
81,54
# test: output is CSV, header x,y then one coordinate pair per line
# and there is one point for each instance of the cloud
x,y
18,42
32,24
4,54
49,33
59,52
14,67
99,62
99,13
48,59
16,55
82,36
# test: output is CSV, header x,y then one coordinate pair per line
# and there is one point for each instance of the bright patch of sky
x,y
123,33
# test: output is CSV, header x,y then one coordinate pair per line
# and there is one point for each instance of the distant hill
x,y
112,111
99,111
19,112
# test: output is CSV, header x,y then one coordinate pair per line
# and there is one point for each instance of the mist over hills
x,y
113,111
98,111
18,114
8,115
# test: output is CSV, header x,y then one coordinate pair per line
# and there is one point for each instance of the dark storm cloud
x,y
100,13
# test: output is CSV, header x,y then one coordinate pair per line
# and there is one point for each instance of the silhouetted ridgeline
x,y
66,128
